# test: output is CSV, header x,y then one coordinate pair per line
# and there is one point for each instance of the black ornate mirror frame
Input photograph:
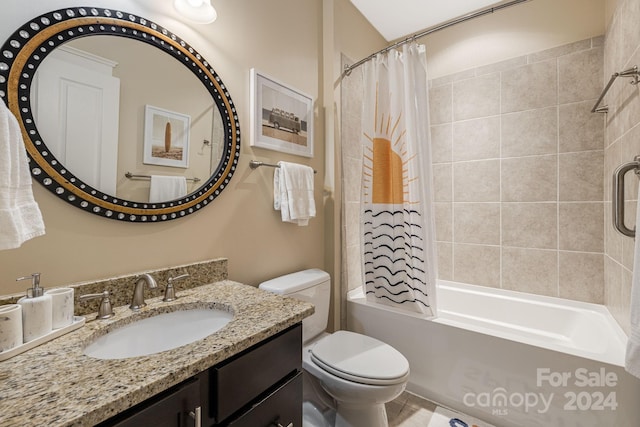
x,y
25,50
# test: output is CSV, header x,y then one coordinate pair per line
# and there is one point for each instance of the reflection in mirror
x,y
89,97
89,184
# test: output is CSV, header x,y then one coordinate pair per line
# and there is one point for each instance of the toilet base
x,y
312,416
349,415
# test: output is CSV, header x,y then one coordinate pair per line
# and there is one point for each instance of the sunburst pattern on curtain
x,y
397,210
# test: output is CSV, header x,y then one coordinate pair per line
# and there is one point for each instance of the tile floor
x,y
409,410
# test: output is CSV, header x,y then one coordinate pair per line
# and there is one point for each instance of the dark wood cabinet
x,y
176,407
259,387
282,407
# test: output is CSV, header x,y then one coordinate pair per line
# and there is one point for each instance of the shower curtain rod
x,y
349,68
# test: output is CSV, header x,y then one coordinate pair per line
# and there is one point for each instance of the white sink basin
x,y
158,333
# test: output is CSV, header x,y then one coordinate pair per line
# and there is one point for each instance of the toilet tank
x,y
311,285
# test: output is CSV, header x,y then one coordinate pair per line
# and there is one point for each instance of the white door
x,y
76,102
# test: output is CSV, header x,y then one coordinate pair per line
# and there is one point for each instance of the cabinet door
x,y
169,409
244,378
282,407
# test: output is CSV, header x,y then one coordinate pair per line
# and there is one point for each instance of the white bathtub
x,y
511,358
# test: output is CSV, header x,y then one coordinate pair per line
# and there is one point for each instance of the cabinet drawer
x,y
168,409
239,381
283,406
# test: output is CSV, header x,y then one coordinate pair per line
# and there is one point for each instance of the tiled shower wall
x,y
622,142
518,166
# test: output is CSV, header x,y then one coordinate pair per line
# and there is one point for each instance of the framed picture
x,y
281,116
166,137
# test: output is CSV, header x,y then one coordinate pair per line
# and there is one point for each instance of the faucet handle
x,y
170,293
106,310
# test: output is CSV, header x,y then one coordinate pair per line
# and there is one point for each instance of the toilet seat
x,y
360,358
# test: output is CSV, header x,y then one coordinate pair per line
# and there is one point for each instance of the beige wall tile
x,y
580,75
580,227
530,132
613,290
528,87
622,38
477,181
555,52
530,225
612,159
530,270
444,221
442,182
580,129
597,41
629,243
530,179
441,143
623,100
476,139
581,276
628,252
445,260
625,299
476,223
502,65
613,240
476,97
461,75
630,209
581,176
629,149
476,264
440,107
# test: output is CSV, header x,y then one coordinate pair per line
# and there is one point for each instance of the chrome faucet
x,y
137,302
170,292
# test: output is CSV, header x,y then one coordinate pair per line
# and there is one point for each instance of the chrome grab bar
x,y
631,72
618,196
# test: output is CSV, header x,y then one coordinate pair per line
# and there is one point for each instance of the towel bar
x,y
618,195
130,175
254,164
631,72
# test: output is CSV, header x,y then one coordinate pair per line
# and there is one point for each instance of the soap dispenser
x,y
36,310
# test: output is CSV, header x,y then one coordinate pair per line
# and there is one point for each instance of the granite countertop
x,y
55,384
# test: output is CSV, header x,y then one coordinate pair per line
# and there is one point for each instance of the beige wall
x,y
526,28
622,142
241,223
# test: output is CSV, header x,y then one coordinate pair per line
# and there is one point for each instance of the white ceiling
x,y
400,18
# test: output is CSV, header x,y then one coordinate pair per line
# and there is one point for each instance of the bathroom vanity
x,y
248,373
261,386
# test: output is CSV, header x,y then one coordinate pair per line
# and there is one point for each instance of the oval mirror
x,y
102,114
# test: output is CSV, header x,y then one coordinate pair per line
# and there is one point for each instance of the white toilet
x,y
360,373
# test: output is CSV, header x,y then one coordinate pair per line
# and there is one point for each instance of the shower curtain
x,y
397,229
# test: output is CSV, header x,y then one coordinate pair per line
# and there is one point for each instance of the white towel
x,y
632,359
293,192
165,188
20,217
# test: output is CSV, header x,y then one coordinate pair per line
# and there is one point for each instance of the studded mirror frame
x,y
28,46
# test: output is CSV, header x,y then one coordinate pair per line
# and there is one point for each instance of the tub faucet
x,y
137,302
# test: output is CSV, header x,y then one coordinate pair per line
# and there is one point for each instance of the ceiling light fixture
x,y
199,11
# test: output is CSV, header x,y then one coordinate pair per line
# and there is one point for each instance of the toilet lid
x,y
359,358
